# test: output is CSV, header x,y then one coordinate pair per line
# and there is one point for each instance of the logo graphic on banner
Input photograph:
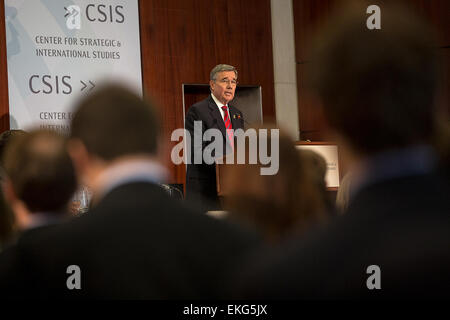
x,y
68,52
73,15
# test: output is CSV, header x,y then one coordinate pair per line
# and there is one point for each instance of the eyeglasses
x,y
233,83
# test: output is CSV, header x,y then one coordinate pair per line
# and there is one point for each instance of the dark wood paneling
x,y
194,93
310,120
182,40
310,16
437,13
4,109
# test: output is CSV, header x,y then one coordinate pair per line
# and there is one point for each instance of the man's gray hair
x,y
221,68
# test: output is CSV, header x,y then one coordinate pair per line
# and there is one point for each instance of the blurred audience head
x,y
6,138
315,169
343,194
316,164
109,125
377,87
6,222
40,177
277,205
6,216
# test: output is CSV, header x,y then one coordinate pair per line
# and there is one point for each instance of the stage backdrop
x,y
59,50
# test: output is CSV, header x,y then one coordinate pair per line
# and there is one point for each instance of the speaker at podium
x,y
247,99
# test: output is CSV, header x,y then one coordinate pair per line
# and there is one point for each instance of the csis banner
x,y
60,50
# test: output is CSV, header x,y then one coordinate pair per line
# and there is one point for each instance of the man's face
x,y
224,86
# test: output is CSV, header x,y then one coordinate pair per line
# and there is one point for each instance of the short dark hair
x,y
40,170
114,122
6,137
377,86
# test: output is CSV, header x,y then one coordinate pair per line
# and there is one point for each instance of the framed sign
x,y
329,152
60,50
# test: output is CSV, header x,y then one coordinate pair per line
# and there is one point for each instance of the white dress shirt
x,y
220,105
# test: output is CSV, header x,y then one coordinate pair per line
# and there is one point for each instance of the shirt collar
x,y
128,171
218,103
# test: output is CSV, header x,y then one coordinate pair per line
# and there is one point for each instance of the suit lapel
x,y
215,114
235,122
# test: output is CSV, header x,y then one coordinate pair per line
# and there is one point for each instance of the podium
x,y
220,185
328,150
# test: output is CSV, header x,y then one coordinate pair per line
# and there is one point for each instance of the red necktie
x,y
229,128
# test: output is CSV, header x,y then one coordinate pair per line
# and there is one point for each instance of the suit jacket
x,y
201,178
137,243
401,225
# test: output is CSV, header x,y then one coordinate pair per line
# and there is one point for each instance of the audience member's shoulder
x,y
9,268
443,175
42,237
200,224
301,266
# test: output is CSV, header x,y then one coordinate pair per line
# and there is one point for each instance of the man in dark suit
x,y
377,89
135,242
39,178
214,112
